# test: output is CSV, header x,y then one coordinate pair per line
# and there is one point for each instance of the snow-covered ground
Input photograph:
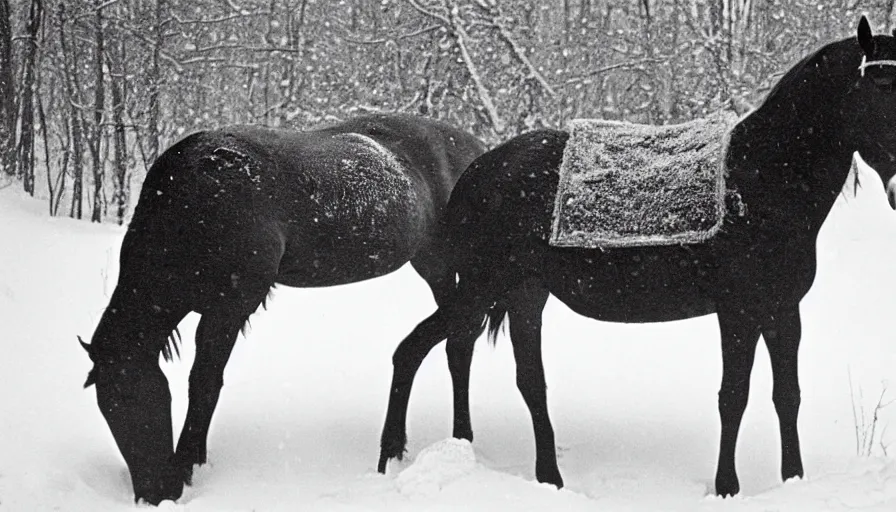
x,y
634,406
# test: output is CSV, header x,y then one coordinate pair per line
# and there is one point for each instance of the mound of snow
x,y
436,466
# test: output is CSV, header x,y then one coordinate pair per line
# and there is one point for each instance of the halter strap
x,y
867,63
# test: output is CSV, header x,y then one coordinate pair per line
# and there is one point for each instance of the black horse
x,y
224,215
788,160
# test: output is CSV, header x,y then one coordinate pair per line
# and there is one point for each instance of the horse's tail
x,y
495,318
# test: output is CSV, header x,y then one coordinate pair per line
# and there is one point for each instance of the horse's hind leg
x,y
455,318
740,334
459,348
460,356
782,334
525,306
216,335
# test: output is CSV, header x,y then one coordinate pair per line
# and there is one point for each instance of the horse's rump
x,y
344,181
363,185
624,185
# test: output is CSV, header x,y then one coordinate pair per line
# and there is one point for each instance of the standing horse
x,y
223,216
788,161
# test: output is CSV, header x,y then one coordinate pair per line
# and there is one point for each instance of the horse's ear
x,y
91,376
91,379
85,346
866,39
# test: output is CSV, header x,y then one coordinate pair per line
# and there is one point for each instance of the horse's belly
x,y
354,240
340,261
640,287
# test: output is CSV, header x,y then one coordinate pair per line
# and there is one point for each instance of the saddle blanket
x,y
627,185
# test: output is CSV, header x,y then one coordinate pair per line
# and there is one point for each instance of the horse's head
x,y
870,115
133,396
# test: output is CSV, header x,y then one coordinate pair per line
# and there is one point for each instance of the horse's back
x,y
335,205
499,219
435,152
519,176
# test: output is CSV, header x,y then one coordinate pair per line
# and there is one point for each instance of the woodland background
x,y
92,90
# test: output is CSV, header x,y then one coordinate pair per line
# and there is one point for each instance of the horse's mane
x,y
171,348
789,84
793,74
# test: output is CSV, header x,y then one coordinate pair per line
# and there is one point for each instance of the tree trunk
x,y
567,8
45,136
96,135
891,23
297,43
155,85
70,61
122,182
7,93
25,152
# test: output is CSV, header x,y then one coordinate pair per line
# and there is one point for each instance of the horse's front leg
x,y
740,333
432,268
461,320
524,314
215,338
782,332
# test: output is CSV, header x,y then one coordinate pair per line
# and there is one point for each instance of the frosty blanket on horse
x,y
624,185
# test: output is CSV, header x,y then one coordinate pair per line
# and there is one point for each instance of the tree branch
x,y
455,25
431,14
484,96
605,69
520,53
382,40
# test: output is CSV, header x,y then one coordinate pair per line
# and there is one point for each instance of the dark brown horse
x,y
788,160
223,216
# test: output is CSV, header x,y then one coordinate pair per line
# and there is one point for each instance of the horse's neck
x,y
797,166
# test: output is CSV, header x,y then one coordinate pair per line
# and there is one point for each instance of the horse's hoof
x,y
463,433
170,488
183,466
792,470
390,450
391,447
727,487
385,455
549,476
186,474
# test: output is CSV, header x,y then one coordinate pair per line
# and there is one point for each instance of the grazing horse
x,y
223,216
788,161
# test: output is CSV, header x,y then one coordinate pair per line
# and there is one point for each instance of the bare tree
x,y
155,83
25,151
117,74
7,93
75,123
96,133
494,67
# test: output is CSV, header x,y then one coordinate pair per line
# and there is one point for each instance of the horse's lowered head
x,y
133,396
870,114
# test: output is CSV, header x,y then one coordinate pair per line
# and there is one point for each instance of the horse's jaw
x,y
136,403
